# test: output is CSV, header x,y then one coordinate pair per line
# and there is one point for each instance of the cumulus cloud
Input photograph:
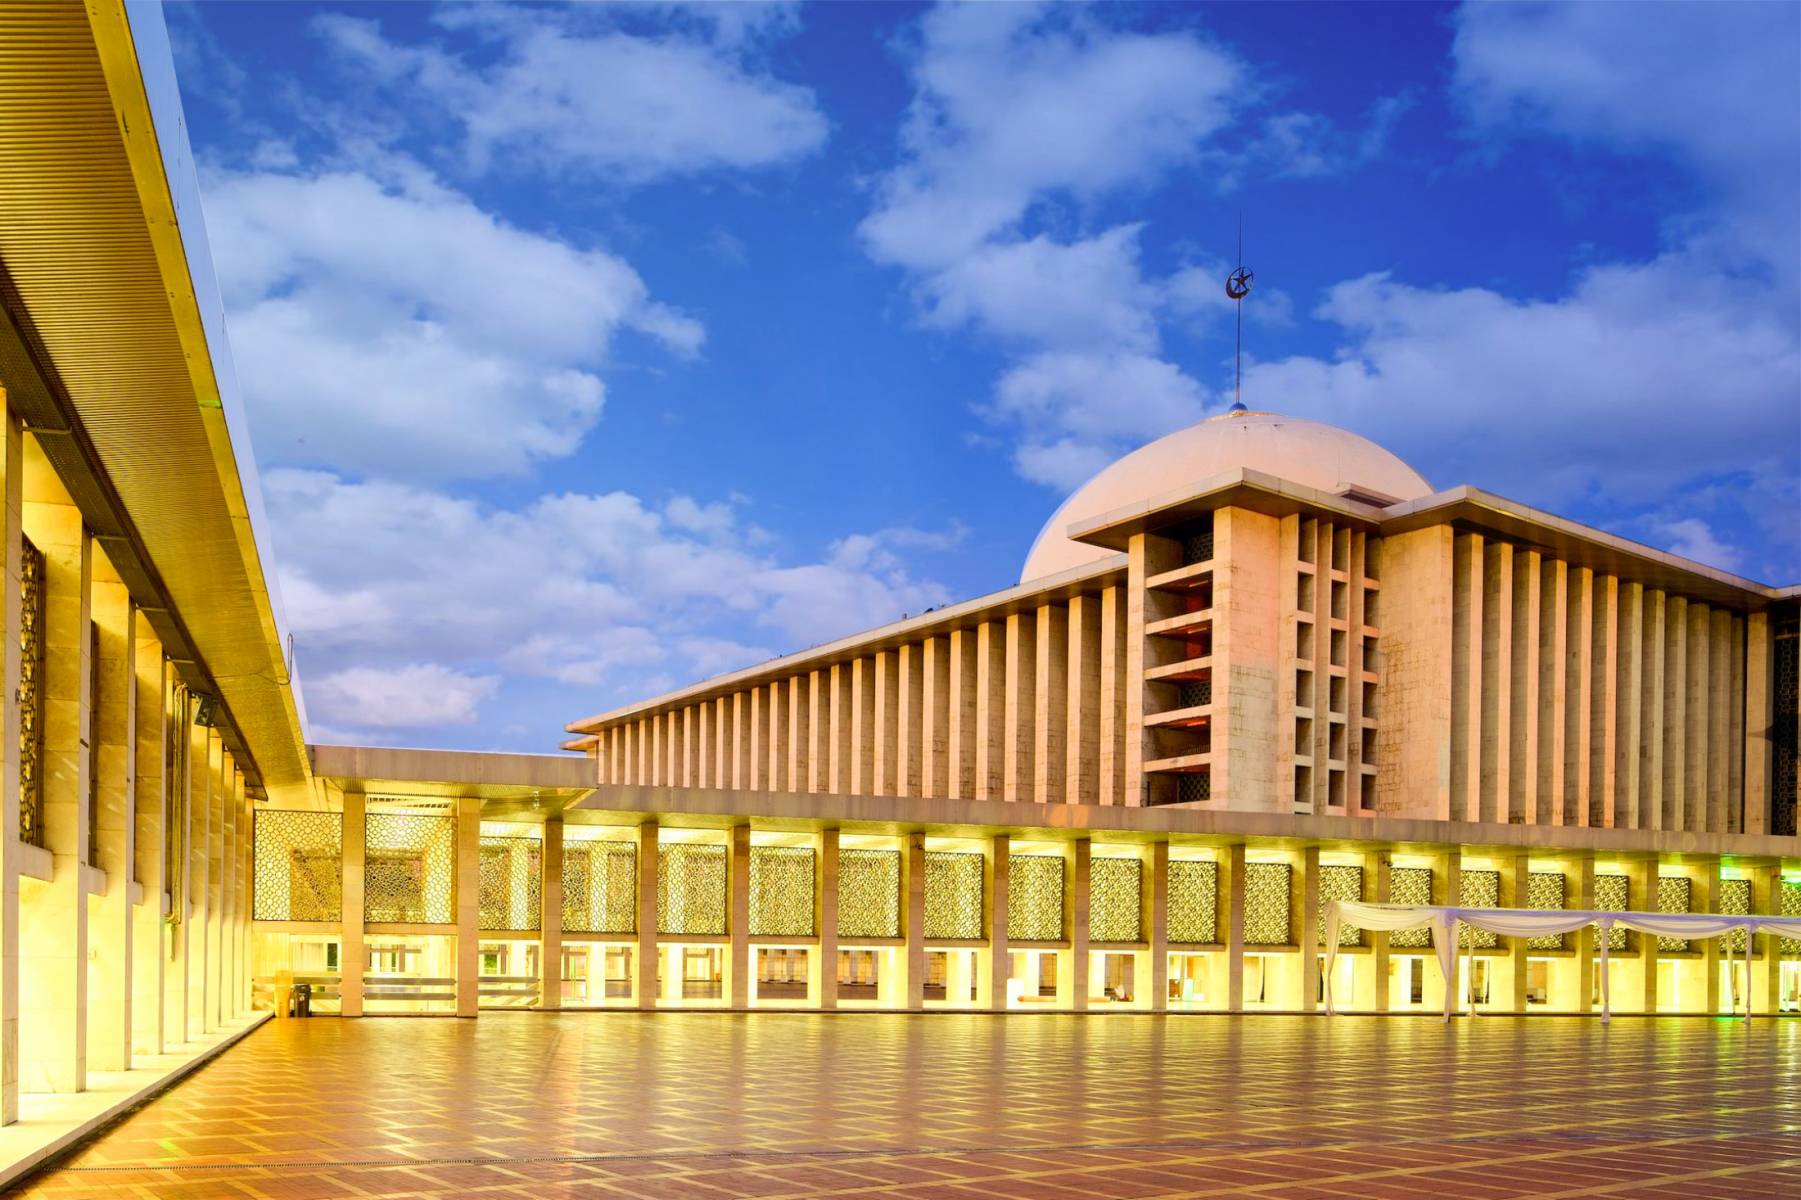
x,y
417,696
601,590
561,91
391,325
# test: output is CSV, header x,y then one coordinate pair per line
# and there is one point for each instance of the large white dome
x,y
1300,451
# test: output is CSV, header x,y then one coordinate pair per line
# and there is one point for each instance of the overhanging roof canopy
x,y
113,353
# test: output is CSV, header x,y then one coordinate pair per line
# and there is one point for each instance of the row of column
x,y
125,934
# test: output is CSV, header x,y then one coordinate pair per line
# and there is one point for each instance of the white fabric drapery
x,y
1538,922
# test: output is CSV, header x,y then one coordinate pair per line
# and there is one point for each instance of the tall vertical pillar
x,y
913,894
1232,892
1156,925
1379,868
352,959
648,979
826,916
1763,993
11,852
1447,888
1641,875
1075,919
1000,962
175,862
1707,900
1585,937
193,922
109,915
246,889
738,920
215,880
550,920
468,904
149,733
1310,929
1515,887
54,926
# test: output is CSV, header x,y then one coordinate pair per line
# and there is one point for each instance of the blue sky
x,y
589,352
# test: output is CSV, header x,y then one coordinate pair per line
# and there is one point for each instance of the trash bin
x,y
303,999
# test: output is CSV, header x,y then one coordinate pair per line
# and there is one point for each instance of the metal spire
x,y
1238,286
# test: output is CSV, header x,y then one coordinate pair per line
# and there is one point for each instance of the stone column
x,y
468,904
1000,962
1378,868
1641,894
1156,925
1311,932
247,889
215,880
109,915
352,959
11,852
913,895
1765,948
826,917
1075,919
1515,885
53,935
149,744
1586,944
199,839
1447,888
175,903
1231,894
647,915
738,915
1706,899
550,920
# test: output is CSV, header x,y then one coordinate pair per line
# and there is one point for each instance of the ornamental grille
x,y
1410,885
1197,541
1789,905
1115,902
691,889
175,793
953,895
1266,888
1194,694
1035,897
1785,797
1194,787
409,869
1735,900
512,883
1480,889
1340,883
600,887
31,694
1613,894
781,891
869,893
1672,897
1193,902
1545,889
299,860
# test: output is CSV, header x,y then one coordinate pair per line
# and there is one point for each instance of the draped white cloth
x,y
1538,922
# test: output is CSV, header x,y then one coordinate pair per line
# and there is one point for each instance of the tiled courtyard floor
x,y
1038,1107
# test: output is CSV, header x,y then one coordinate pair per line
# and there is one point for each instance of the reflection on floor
x,y
799,1105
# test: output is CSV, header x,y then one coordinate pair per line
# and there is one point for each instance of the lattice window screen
x,y
600,887
1035,897
869,893
781,891
299,859
1340,883
512,883
1115,900
1545,889
1410,885
409,869
1193,902
30,692
1613,894
691,889
1789,905
954,895
1735,899
1266,897
1672,897
1481,889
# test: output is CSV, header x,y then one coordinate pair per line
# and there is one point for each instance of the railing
x,y
409,987
508,991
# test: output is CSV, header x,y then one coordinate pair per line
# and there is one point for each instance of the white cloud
x,y
417,696
1691,537
602,591
567,91
1073,410
393,326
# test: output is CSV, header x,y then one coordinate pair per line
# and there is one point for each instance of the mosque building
x,y
1255,666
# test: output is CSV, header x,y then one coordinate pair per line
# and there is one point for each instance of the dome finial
x,y
1238,406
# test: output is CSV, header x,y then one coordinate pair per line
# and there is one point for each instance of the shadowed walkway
x,y
796,1105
